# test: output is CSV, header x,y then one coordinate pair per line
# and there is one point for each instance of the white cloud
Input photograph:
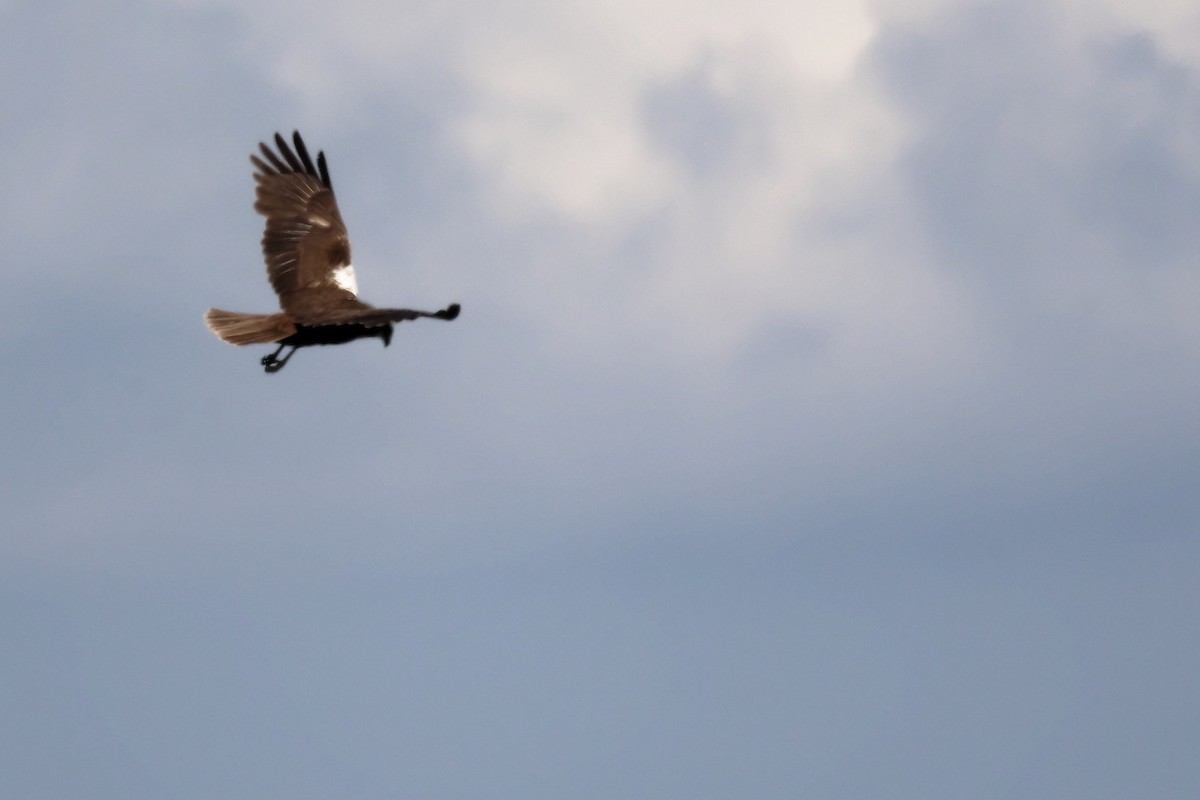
x,y
555,89
559,113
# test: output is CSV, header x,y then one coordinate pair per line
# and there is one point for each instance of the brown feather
x,y
238,328
305,239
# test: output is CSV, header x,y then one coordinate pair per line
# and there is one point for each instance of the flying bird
x,y
307,251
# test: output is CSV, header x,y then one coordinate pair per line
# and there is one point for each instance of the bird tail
x,y
237,328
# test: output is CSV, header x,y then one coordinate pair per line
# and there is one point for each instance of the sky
x,y
820,422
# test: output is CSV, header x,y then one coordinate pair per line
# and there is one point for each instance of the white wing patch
x,y
344,277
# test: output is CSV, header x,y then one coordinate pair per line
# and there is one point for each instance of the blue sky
x,y
821,420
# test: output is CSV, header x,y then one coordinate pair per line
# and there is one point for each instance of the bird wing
x,y
372,317
305,243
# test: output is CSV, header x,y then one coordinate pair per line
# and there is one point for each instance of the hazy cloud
x,y
821,417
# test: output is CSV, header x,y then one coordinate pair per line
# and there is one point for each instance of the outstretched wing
x,y
305,243
373,317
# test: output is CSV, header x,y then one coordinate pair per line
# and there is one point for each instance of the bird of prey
x,y
307,251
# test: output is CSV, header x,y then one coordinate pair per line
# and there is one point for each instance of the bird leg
x,y
274,364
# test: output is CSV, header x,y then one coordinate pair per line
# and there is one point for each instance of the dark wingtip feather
x,y
273,159
302,151
287,154
261,166
324,170
450,312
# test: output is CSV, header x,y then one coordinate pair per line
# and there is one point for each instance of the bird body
x,y
307,250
